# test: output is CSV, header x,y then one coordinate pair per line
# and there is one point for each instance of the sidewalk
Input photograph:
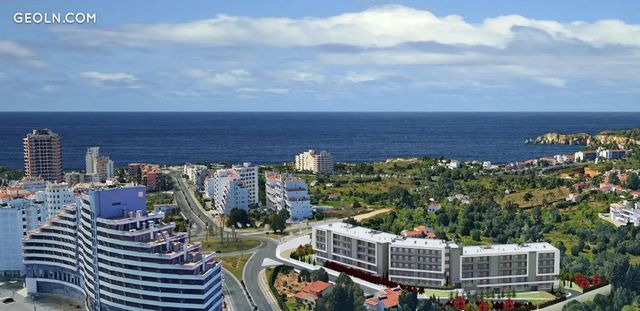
x,y
266,291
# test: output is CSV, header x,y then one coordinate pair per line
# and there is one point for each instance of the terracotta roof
x,y
317,287
389,297
311,291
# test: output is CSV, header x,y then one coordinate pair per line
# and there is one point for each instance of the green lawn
x,y
235,264
292,306
444,293
214,245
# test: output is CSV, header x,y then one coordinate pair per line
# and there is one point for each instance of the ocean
x,y
275,137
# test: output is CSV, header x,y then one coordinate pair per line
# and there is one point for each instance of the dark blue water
x,y
172,138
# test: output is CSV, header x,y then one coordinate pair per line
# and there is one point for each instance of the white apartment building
x,y
315,162
16,218
437,263
90,158
197,174
625,212
228,191
57,195
249,176
288,192
98,167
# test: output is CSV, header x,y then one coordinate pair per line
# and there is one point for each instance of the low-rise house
x,y
333,197
625,212
384,300
310,294
433,207
454,164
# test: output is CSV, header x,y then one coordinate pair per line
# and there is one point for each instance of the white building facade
x,y
288,192
57,195
16,218
315,162
438,263
228,191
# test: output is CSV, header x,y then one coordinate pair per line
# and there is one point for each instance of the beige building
x,y
43,155
315,162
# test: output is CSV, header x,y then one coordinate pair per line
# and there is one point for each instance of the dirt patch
x,y
288,284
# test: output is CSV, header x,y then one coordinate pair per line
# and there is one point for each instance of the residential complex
x,y
17,216
315,162
43,155
437,263
228,191
108,250
98,167
600,154
148,175
246,176
197,174
288,192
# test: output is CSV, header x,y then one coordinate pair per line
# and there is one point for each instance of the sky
x,y
466,55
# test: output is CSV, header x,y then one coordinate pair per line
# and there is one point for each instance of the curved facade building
x,y
128,259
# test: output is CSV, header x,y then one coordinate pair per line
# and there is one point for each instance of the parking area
x,y
13,296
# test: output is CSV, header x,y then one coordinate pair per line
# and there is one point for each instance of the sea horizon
x,y
274,137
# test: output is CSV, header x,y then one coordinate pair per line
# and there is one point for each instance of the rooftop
x,y
506,248
358,232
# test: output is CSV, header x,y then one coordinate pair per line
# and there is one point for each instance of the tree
x,y
319,275
304,276
408,300
278,222
346,295
400,197
633,181
475,234
237,216
459,303
527,196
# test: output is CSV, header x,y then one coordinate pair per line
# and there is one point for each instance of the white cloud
x,y
228,78
279,91
110,79
22,53
359,77
382,27
303,76
553,82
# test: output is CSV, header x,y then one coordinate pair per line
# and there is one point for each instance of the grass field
x,y
235,264
214,245
539,196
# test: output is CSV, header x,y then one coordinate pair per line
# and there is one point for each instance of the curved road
x,y
253,266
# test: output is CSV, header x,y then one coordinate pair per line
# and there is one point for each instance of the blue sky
x,y
324,56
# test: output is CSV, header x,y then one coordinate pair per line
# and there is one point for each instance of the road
x,y
235,292
253,266
198,226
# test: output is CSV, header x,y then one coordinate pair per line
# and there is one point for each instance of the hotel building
x,y
315,162
288,192
107,250
43,155
437,263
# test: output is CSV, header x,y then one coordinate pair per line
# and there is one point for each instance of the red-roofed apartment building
x,y
384,300
312,292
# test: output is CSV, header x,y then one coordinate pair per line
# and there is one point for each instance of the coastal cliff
x,y
606,138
